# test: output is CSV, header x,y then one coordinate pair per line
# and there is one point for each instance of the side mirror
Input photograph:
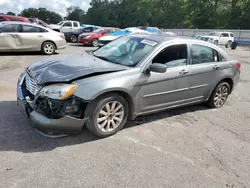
x,y
157,67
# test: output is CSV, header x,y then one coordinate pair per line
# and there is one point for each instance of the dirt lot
x,y
188,147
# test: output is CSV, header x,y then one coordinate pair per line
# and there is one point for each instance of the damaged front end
x,y
52,110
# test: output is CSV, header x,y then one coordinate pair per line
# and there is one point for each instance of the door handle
x,y
40,36
184,71
216,67
14,36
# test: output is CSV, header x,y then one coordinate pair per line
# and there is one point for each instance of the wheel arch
x,y
49,41
122,93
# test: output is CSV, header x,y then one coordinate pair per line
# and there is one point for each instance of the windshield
x,y
60,23
213,34
98,30
127,50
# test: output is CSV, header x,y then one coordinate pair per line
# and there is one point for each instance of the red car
x,y
13,18
92,38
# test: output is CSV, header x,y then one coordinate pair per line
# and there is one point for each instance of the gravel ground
x,y
188,147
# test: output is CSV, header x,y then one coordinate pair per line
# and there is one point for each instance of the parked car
x,y
73,36
128,31
18,36
154,30
39,22
170,34
131,76
221,38
92,38
66,26
4,18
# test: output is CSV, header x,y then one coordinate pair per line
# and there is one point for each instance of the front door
x,y
163,90
10,37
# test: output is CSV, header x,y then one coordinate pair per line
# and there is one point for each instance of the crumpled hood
x,y
55,26
70,67
210,37
108,38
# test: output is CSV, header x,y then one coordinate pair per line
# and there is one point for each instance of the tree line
x,y
201,14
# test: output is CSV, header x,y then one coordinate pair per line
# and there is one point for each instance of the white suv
x,y
221,38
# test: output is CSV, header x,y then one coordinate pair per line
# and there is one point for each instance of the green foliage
x,y
201,14
42,14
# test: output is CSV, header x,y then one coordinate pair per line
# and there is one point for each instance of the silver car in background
x,y
20,36
128,77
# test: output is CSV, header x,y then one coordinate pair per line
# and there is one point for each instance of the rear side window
x,y
75,24
32,29
203,54
2,19
87,29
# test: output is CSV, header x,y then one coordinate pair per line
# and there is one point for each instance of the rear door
x,y
10,38
67,27
207,68
32,37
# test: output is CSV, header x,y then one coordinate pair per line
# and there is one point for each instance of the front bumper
x,y
85,41
64,125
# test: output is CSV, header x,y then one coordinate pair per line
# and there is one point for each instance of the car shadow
x,y
17,135
23,54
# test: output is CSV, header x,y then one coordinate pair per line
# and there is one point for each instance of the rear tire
x,y
219,95
108,115
48,48
73,39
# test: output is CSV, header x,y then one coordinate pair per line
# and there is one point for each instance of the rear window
x,y
231,35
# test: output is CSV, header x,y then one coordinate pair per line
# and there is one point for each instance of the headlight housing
x,y
59,91
87,37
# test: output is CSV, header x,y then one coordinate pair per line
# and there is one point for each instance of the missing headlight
x,y
56,109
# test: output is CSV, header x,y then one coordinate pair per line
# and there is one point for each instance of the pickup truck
x,y
66,26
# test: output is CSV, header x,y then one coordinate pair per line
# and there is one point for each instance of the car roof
x,y
23,23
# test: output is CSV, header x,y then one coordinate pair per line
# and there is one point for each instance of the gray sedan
x,y
131,76
20,36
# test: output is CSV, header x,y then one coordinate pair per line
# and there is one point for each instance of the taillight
x,y
62,36
238,65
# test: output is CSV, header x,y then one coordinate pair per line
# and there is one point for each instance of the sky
x,y
58,6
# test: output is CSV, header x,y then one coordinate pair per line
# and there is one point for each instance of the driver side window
x,y
172,56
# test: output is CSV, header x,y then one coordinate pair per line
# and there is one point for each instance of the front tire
x,y
108,115
219,95
48,48
95,43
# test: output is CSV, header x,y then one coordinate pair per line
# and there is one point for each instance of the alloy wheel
x,y
110,116
220,96
48,48
95,42
73,39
